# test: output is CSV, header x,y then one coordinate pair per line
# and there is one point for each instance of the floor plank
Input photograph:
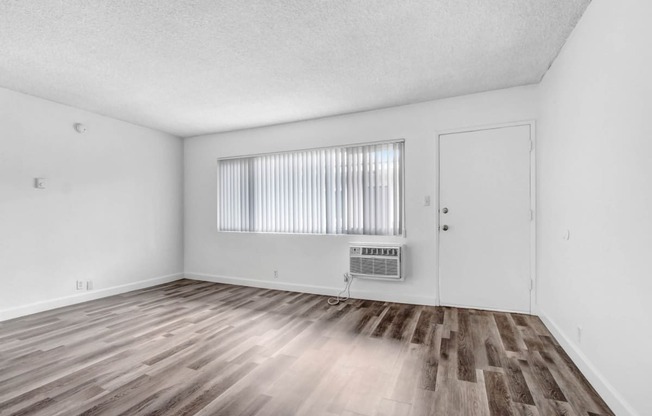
x,y
199,348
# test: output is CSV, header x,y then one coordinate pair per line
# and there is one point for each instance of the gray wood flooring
x,y
190,347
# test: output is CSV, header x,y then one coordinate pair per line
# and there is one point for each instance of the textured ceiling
x,y
198,66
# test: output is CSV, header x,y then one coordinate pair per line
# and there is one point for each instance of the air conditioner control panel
x,y
374,251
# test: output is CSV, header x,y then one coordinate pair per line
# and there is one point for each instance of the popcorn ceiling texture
x,y
191,67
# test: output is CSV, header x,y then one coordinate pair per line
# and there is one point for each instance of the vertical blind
x,y
336,190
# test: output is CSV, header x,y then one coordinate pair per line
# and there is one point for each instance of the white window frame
x,y
403,233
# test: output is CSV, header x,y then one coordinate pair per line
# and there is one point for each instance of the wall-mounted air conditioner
x,y
376,261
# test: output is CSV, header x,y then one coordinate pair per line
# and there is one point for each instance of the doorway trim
x,y
533,200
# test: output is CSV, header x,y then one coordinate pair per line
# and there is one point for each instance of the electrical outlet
x,y
275,274
80,285
89,285
579,334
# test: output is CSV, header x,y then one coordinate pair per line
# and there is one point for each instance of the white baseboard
x,y
609,394
485,308
46,305
318,290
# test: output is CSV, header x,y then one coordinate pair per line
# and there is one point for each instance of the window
x,y
336,190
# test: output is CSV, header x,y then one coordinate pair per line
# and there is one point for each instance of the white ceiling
x,y
190,67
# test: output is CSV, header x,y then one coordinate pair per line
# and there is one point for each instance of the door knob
x,y
444,210
444,227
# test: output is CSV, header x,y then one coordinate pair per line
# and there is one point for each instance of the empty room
x,y
326,208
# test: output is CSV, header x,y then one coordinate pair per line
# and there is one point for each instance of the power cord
x,y
347,289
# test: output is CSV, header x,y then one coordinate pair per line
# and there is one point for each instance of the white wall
x,y
112,211
595,179
316,263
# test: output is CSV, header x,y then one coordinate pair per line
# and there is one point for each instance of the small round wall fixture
x,y
80,128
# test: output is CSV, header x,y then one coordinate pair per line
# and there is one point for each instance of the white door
x,y
485,218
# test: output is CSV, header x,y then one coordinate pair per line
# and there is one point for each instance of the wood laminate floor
x,y
202,348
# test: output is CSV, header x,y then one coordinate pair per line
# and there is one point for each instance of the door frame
x,y
533,200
